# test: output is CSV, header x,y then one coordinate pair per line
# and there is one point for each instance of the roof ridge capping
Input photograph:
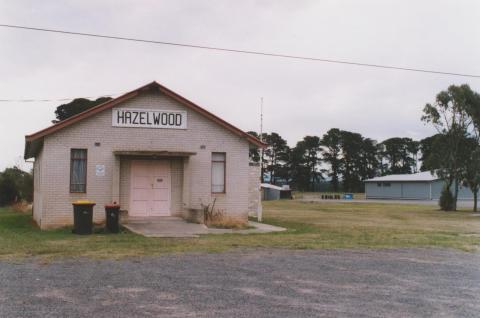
x,y
122,98
419,176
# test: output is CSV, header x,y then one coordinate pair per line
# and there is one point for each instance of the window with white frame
x,y
218,172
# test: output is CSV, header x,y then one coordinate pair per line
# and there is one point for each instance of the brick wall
x,y
56,206
254,189
37,186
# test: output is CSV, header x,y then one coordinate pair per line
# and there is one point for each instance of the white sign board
x,y
149,118
100,170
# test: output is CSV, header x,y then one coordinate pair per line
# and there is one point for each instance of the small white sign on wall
x,y
149,118
100,170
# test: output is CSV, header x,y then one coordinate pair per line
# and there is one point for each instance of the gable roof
x,y
420,176
30,148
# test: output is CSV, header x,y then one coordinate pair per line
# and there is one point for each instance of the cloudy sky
x,y
300,98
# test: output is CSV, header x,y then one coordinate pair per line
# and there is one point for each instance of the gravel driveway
x,y
252,283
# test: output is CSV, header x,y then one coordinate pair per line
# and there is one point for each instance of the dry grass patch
x,y
373,215
228,222
217,218
21,207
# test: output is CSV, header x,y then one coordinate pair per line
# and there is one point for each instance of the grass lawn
x,y
310,225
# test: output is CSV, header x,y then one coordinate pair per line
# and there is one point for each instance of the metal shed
x,y
417,186
270,191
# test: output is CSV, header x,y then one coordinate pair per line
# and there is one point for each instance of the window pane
x,y
78,170
218,177
218,156
79,154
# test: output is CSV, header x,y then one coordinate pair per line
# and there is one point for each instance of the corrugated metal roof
x,y
421,176
271,186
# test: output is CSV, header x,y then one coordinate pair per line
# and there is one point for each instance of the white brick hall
x,y
150,150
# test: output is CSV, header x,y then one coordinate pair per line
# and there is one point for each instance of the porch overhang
x,y
153,154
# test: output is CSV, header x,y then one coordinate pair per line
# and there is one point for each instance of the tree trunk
x,y
475,194
455,196
312,179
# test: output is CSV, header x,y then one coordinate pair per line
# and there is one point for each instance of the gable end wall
x,y
201,131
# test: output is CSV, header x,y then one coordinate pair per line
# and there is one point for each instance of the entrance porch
x,y
151,184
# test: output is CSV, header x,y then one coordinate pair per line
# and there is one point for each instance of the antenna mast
x,y
259,207
261,119
261,138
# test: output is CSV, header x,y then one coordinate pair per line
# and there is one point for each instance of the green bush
x,y
15,185
446,201
8,190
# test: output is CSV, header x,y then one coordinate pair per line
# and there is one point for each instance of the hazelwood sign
x,y
149,118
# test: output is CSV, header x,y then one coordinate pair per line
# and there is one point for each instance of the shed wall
x,y
398,190
416,190
393,191
270,194
413,190
464,193
437,187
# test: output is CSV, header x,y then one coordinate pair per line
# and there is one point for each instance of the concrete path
x,y
164,227
256,228
177,227
250,283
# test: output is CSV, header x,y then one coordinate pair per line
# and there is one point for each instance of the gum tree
x,y
449,116
472,169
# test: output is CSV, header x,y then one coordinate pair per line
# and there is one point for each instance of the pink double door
x,y
150,188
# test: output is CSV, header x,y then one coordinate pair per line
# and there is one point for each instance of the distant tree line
x,y
343,159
